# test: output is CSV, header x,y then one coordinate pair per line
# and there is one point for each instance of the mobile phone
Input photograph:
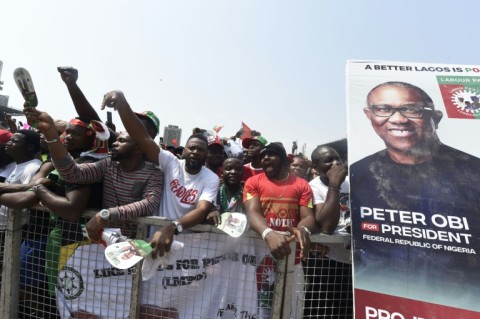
x,y
109,117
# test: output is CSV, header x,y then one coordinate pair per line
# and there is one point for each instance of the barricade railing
x,y
281,306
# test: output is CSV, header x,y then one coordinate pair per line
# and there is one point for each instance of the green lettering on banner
x,y
454,79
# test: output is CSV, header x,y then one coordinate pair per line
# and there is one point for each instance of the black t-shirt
x,y
41,222
445,187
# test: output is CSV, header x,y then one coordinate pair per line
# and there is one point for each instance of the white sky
x,y
279,66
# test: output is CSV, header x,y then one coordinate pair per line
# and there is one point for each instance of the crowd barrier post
x,y
137,279
284,285
11,265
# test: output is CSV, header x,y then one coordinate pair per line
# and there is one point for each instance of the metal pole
x,y
11,265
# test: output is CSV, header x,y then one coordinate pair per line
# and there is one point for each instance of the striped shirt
x,y
127,195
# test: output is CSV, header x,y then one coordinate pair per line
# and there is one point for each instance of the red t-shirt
x,y
280,200
249,171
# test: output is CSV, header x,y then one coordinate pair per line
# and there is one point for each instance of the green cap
x,y
247,141
152,117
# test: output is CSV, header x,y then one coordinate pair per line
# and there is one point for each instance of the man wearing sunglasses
x,y
413,191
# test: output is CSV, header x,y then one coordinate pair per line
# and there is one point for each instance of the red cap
x,y
5,136
214,140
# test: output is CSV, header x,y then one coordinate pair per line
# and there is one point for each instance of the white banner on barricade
x,y
214,276
88,283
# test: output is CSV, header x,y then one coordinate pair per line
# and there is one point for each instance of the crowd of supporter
x,y
81,163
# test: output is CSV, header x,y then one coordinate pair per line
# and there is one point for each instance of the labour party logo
x,y
461,96
70,282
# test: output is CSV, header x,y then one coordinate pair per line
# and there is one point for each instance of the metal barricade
x,y
130,299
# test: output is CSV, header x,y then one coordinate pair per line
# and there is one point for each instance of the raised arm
x,y
133,125
72,172
12,123
84,109
46,125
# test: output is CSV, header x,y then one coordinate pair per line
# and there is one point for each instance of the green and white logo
x,y
70,283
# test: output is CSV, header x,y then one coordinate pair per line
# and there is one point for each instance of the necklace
x,y
284,186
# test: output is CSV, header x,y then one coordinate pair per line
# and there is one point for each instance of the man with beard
x,y
276,190
215,155
49,231
131,186
190,188
279,208
415,176
328,268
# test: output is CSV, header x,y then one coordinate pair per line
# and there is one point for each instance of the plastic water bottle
x,y
111,237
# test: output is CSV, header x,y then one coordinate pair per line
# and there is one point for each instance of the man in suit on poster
x,y
422,199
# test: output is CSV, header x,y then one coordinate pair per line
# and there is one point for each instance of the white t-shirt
x,y
182,191
7,170
338,252
21,174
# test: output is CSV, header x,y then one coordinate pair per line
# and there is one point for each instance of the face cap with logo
x,y
151,117
247,141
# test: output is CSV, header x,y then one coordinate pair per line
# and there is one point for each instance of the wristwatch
x,y
178,227
105,214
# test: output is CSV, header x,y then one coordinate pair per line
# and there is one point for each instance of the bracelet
x,y
334,188
266,232
51,141
307,230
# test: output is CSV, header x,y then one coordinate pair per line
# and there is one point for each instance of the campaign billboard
x,y
415,189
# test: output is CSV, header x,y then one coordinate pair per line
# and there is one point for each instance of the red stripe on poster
x,y
373,305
